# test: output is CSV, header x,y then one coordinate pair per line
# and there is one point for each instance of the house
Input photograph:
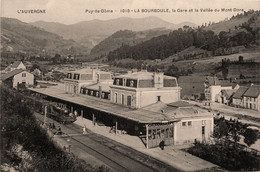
x,y
18,76
214,90
140,89
251,98
76,80
16,65
237,98
225,96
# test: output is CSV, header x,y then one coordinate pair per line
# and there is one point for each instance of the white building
x,y
18,76
139,89
75,80
251,98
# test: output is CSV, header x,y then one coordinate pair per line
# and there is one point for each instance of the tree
x,y
221,130
225,73
250,136
35,66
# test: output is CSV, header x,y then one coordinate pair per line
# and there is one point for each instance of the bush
x,y
226,156
19,127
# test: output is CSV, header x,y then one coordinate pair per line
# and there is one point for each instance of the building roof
x,y
149,114
180,110
179,104
11,74
228,92
240,92
253,91
104,87
16,64
141,75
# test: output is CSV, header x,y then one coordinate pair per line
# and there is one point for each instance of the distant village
x,y
247,97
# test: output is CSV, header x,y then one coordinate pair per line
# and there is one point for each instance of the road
x,y
231,112
115,155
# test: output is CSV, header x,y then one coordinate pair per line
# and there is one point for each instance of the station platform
x,y
172,155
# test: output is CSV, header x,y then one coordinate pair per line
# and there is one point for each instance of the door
x,y
128,100
203,133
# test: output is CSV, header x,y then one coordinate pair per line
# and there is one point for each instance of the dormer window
x,y
117,81
76,76
131,83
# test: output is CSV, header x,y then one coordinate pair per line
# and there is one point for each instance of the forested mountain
x,y
20,36
125,37
233,24
166,45
90,33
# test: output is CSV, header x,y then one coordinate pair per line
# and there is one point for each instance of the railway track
x,y
120,163
110,162
117,156
150,162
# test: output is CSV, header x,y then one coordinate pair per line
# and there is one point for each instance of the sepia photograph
x,y
130,85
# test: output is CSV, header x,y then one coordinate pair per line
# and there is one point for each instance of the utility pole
x,y
147,129
45,114
116,128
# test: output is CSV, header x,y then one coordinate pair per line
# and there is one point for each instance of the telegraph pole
x,y
45,114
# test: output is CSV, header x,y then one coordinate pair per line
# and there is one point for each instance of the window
x,y
189,123
171,132
183,124
158,98
115,97
123,99
23,74
203,130
76,76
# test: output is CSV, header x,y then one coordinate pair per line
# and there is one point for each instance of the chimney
x,y
158,79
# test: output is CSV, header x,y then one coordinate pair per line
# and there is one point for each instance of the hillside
x,y
20,36
224,43
125,37
234,23
92,32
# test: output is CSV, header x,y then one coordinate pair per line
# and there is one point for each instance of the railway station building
x,y
75,80
144,104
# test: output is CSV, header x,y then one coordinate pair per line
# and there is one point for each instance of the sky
x,y
74,11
